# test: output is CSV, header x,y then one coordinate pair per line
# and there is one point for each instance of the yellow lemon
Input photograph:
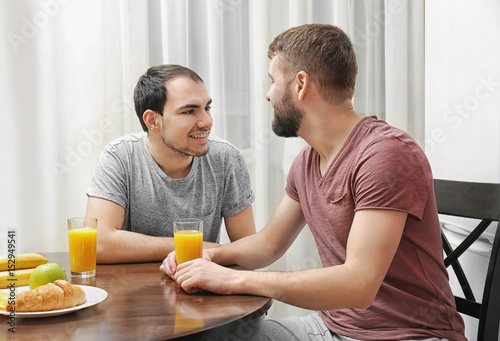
x,y
3,300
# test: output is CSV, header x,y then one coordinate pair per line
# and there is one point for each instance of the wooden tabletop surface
x,y
144,304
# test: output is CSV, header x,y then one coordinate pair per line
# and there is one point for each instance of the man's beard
x,y
287,117
179,151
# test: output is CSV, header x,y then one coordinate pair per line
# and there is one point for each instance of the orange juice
x,y
82,249
187,319
188,245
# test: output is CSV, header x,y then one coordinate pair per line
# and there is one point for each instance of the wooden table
x,y
144,304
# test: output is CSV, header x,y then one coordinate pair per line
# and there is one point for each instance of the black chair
x,y
479,201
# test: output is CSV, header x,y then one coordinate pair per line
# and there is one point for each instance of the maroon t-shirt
x,y
381,167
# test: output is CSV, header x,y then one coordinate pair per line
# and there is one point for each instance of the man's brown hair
x,y
324,52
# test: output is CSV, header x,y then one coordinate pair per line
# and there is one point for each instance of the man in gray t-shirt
x,y
143,182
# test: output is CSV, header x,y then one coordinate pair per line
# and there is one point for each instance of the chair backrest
x,y
479,201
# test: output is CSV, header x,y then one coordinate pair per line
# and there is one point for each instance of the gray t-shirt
x,y
218,185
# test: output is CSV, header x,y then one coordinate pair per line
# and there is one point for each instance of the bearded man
x,y
364,189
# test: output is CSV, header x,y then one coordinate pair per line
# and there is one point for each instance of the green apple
x,y
46,273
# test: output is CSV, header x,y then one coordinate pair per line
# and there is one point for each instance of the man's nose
x,y
205,120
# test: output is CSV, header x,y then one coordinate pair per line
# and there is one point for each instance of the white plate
x,y
93,296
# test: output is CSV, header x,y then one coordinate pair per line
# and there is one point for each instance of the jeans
x,y
304,328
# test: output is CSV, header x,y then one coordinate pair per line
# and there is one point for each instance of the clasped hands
x,y
200,274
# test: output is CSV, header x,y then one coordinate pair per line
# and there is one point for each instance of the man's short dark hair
x,y
151,93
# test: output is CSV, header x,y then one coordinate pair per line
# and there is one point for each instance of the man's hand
x,y
203,275
169,264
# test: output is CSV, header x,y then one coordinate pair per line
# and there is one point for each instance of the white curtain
x,y
69,68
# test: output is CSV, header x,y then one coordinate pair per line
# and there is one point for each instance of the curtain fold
x,y
69,71
405,82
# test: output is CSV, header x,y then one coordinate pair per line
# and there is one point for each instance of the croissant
x,y
52,296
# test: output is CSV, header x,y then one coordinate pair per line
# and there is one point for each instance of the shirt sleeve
x,y
291,187
392,174
109,178
295,178
238,193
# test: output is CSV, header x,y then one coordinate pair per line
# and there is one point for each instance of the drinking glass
x,y
82,234
188,238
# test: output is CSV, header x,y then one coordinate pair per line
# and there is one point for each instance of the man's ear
x,y
301,84
151,119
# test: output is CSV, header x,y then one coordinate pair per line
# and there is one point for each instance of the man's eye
x,y
189,111
208,108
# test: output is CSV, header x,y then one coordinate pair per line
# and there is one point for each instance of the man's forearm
x,y
335,287
242,253
315,289
268,245
131,247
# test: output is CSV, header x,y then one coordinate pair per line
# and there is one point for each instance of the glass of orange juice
x,y
82,234
188,238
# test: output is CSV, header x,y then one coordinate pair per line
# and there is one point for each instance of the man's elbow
x,y
364,296
102,253
363,301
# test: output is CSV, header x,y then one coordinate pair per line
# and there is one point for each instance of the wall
x,y
462,89
462,109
